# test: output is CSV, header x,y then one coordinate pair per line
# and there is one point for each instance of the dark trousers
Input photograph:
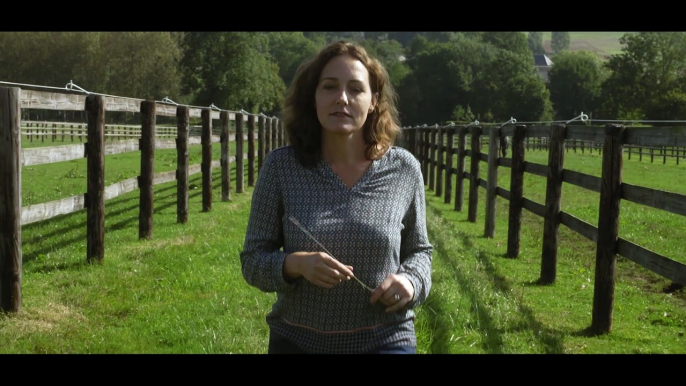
x,y
280,345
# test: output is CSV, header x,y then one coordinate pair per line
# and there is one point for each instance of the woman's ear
x,y
375,101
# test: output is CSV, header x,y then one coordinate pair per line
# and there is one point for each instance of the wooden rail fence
x,y
13,158
653,152
433,147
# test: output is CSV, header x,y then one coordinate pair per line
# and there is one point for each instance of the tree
x,y
441,78
441,37
575,83
403,37
142,64
515,42
467,78
391,53
318,38
289,50
232,70
535,40
132,64
559,41
647,77
510,87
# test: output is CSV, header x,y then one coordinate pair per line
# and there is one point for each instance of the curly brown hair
x,y
300,116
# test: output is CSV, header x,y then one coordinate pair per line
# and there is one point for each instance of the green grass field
x,y
604,44
182,291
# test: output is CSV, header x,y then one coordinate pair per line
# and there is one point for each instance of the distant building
x,y
543,65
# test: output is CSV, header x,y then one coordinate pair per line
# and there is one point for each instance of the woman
x,y
337,223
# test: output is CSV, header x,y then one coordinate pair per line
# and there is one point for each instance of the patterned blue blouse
x,y
378,227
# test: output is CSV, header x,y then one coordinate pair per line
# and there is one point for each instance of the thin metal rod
x,y
302,227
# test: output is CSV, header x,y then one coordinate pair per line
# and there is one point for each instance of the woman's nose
x,y
342,98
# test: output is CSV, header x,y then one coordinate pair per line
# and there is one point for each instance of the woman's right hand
x,y
319,268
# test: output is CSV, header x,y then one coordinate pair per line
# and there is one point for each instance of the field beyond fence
x,y
435,148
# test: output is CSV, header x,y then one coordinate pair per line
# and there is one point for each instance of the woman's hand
x,y
319,268
395,292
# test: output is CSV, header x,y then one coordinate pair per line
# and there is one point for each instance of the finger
x,y
381,290
340,270
350,267
329,279
343,270
398,305
330,271
389,298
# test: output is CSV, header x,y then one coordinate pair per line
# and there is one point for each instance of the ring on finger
x,y
396,297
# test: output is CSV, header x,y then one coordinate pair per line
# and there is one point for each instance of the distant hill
x,y
604,44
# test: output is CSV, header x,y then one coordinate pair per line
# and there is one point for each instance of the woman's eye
x,y
329,87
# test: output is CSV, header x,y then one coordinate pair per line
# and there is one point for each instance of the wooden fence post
x,y
449,166
267,135
275,122
10,199
439,161
459,175
608,229
492,181
514,228
260,142
239,153
474,174
551,223
182,132
251,150
225,164
677,155
410,140
206,164
95,194
146,178
425,154
282,133
432,158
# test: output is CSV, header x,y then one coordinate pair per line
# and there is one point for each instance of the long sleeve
x,y
262,258
377,226
415,249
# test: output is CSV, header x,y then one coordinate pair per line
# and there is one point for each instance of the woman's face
x,y
343,95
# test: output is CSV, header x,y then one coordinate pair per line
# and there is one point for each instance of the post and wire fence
x,y
436,146
145,139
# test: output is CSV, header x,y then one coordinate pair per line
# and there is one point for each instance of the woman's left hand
x,y
395,292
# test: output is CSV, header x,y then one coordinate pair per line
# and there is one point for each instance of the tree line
x,y
446,76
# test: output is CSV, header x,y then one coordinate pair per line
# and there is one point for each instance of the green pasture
x,y
182,291
604,43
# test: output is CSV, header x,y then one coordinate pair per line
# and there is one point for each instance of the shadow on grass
x,y
64,266
54,240
492,336
436,315
158,209
69,218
